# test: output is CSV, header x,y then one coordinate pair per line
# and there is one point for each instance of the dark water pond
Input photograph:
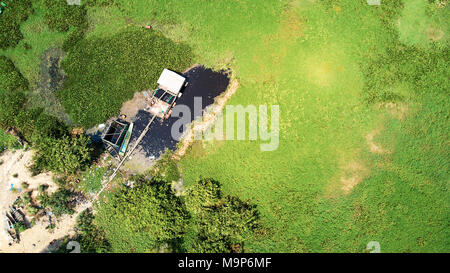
x,y
204,83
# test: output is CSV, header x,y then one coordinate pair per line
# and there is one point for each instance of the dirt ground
x,y
131,108
14,170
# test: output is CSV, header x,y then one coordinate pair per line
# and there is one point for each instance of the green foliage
x,y
33,124
32,210
206,193
103,73
11,78
13,15
12,104
335,52
143,218
90,237
60,16
63,155
91,180
58,202
99,3
74,37
220,223
24,185
12,97
7,141
27,198
20,227
42,188
400,64
166,168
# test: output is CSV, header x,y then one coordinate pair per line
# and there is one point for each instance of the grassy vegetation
x,y
91,180
363,95
311,61
13,14
105,72
7,141
37,38
143,218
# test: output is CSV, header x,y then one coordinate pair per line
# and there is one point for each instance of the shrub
x,y
60,16
63,155
102,73
14,14
20,227
12,97
142,218
27,198
42,188
58,202
32,210
73,38
220,223
11,78
11,104
91,237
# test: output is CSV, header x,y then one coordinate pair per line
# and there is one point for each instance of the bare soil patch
x,y
397,110
131,108
354,173
435,34
373,146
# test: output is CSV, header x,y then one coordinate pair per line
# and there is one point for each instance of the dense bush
x,y
12,97
11,104
63,155
56,150
60,16
58,202
99,3
11,78
14,14
143,218
74,37
219,223
90,237
103,73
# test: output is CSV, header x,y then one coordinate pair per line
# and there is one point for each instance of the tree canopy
x,y
143,218
13,15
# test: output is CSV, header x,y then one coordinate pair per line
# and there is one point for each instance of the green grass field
x,y
306,57
7,141
39,37
347,170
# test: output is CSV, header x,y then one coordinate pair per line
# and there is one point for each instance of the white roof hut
x,y
171,81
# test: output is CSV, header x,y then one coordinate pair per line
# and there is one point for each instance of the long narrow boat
x,y
126,140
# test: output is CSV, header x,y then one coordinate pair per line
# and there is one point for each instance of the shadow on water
x,y
204,83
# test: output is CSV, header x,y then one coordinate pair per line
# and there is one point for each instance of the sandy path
x,y
37,238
